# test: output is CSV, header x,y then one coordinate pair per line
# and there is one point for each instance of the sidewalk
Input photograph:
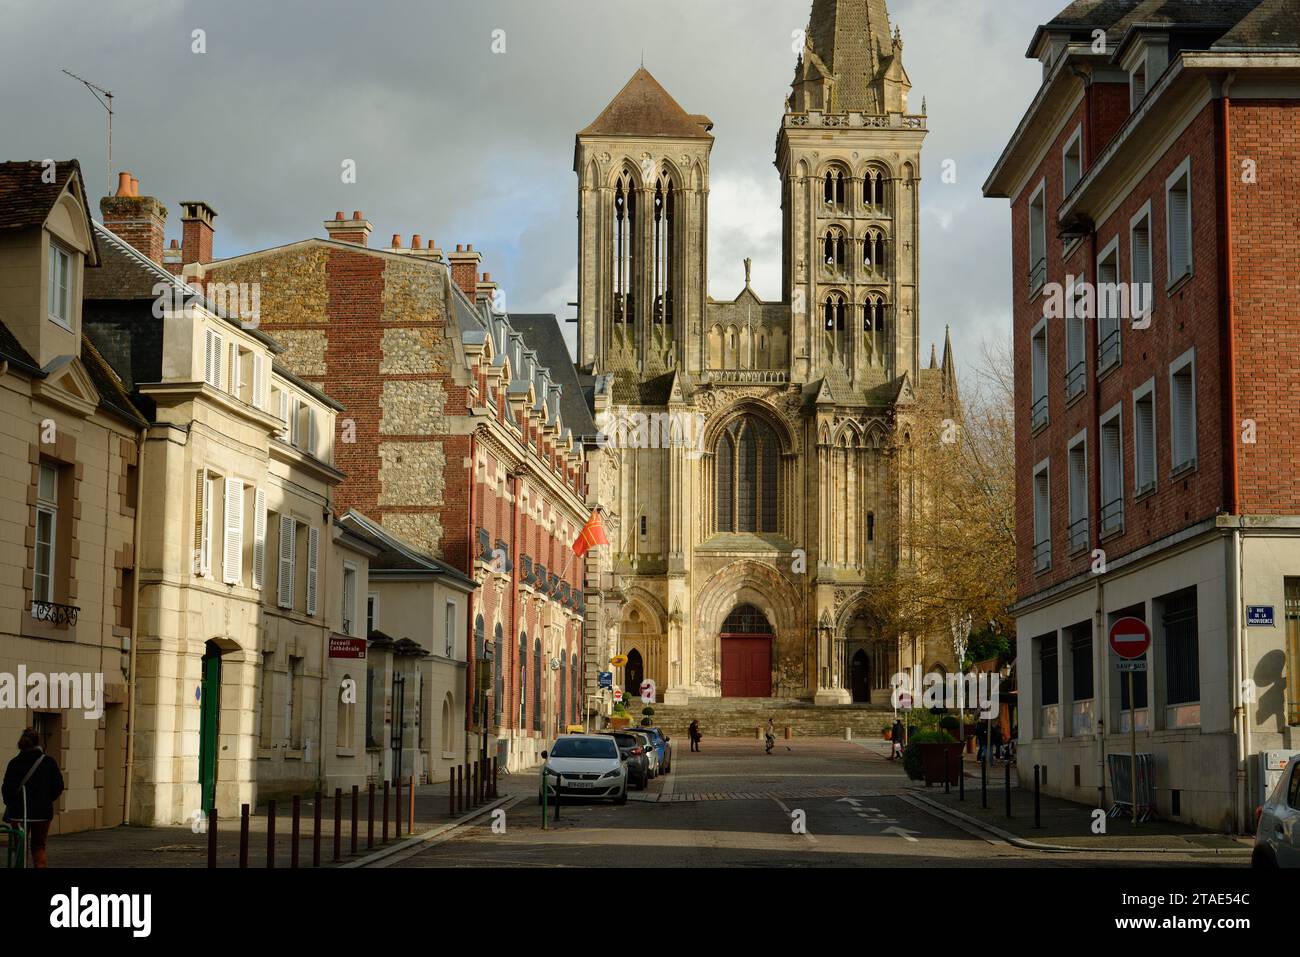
x,y
129,847
1065,824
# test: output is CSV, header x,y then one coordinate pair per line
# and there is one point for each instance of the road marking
x,y
420,844
789,813
903,833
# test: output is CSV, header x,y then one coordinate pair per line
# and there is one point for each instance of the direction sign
x,y
604,679
1130,637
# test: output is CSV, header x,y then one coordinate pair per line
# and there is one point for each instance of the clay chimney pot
x,y
338,216
135,186
415,240
397,240
123,184
356,214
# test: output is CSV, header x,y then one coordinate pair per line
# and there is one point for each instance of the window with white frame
x,y
1042,517
1178,221
60,294
47,514
1076,338
1072,162
232,550
1038,238
1182,411
349,597
1139,263
372,612
1077,461
205,501
1038,376
1111,449
1112,304
235,370
1144,438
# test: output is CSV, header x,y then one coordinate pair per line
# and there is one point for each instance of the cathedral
x,y
747,542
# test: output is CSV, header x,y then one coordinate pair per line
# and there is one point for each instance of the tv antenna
x,y
105,98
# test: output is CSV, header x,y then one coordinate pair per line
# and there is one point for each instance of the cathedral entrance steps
x,y
740,717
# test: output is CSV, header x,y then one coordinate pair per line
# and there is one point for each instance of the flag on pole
x,y
592,534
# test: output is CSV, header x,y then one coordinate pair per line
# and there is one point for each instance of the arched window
x,y
746,620
833,312
873,251
873,189
833,190
664,235
537,684
871,526
448,724
625,257
833,249
875,321
478,663
523,680
499,669
746,477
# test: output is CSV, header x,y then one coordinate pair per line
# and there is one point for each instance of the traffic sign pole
x,y
1129,639
1133,745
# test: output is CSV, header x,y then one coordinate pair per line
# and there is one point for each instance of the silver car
x,y
1277,836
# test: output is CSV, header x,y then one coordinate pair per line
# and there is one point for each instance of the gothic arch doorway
x,y
860,676
633,674
746,654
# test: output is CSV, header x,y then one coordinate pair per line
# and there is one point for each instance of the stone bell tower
x,y
849,154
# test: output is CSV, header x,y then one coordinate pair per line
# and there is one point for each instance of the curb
x,y
412,843
956,817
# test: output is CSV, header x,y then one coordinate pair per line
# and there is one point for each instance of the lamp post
x,y
960,636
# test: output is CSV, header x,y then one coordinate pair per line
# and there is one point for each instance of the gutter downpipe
x,y
471,606
1236,569
131,681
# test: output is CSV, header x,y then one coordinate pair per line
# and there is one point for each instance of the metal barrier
x,y
1121,785
15,846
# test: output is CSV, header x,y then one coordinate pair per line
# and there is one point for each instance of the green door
x,y
210,712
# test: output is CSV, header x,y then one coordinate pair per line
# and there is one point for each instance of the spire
x,y
644,108
934,363
949,365
853,41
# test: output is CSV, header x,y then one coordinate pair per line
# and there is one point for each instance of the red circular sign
x,y
1130,637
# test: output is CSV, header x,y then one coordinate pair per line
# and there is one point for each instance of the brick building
x,y
1153,184
466,435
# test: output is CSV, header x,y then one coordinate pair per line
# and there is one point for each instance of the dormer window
x,y
1137,85
60,285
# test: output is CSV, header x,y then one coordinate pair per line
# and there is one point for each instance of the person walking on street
x,y
771,735
32,783
694,733
896,740
995,741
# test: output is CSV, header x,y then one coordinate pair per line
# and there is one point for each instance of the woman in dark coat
x,y
32,784
896,740
694,733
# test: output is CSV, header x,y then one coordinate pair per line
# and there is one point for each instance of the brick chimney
x,y
464,269
485,289
138,220
172,257
355,230
196,231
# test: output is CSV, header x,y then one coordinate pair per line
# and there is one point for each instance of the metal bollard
x,y
270,835
984,780
1008,789
338,823
947,771
315,840
370,815
397,809
496,778
1038,807
243,835
451,792
387,785
410,818
212,837
458,773
354,819
293,844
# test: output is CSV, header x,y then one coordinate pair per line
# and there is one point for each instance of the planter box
x,y
932,761
619,723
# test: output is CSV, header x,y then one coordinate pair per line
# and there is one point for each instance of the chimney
x,y
464,269
137,220
355,230
196,231
485,290
173,258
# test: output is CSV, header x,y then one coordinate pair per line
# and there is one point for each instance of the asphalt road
x,y
808,804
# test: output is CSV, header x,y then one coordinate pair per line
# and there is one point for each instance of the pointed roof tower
x,y
949,366
644,108
852,62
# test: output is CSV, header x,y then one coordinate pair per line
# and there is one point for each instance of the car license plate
x,y
578,784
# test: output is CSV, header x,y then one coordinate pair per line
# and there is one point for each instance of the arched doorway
x,y
633,674
746,654
860,676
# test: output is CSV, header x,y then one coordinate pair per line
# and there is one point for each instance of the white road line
x,y
789,813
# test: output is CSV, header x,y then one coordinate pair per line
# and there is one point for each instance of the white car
x,y
651,752
588,766
1277,835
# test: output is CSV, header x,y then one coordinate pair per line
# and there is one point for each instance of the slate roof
x,y
395,554
852,42
1245,23
112,395
26,199
644,108
541,332
12,351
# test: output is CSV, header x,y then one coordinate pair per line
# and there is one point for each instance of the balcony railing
x,y
54,613
1043,555
1108,351
1079,535
1038,413
1038,274
1074,380
1112,516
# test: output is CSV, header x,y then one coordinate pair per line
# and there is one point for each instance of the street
x,y
811,803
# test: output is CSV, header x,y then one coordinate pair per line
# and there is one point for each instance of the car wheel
x,y
622,797
1263,858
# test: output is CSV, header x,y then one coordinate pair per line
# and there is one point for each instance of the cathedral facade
x,y
754,480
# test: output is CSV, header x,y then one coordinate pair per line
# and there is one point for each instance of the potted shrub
x,y
620,717
924,757
887,731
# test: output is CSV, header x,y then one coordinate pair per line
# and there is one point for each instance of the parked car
x,y
633,748
1277,831
662,746
651,749
588,765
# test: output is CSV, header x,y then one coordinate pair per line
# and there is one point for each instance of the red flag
x,y
592,534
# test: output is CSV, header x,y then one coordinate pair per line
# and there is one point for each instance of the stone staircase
x,y
739,717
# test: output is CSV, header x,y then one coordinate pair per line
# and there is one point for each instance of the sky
x,y
460,118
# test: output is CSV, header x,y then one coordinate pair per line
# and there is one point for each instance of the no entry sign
x,y
1130,637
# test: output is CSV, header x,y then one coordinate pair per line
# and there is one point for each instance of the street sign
x,y
604,679
1135,664
1130,637
1259,615
342,647
618,696
648,691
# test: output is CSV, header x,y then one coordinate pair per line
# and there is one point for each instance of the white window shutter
x,y
232,553
284,416
1142,252
295,422
214,374
1110,462
200,518
259,381
234,369
313,554
1179,230
259,537
284,598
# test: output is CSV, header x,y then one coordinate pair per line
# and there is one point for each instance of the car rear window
x,y
584,748
626,740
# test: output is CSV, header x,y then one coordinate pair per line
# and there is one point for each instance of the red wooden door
x,y
746,666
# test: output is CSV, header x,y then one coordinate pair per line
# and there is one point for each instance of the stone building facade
x,y
754,473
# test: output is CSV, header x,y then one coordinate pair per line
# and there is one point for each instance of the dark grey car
x,y
631,747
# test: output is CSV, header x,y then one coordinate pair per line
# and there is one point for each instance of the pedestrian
x,y
996,741
981,737
896,740
771,735
32,784
694,732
